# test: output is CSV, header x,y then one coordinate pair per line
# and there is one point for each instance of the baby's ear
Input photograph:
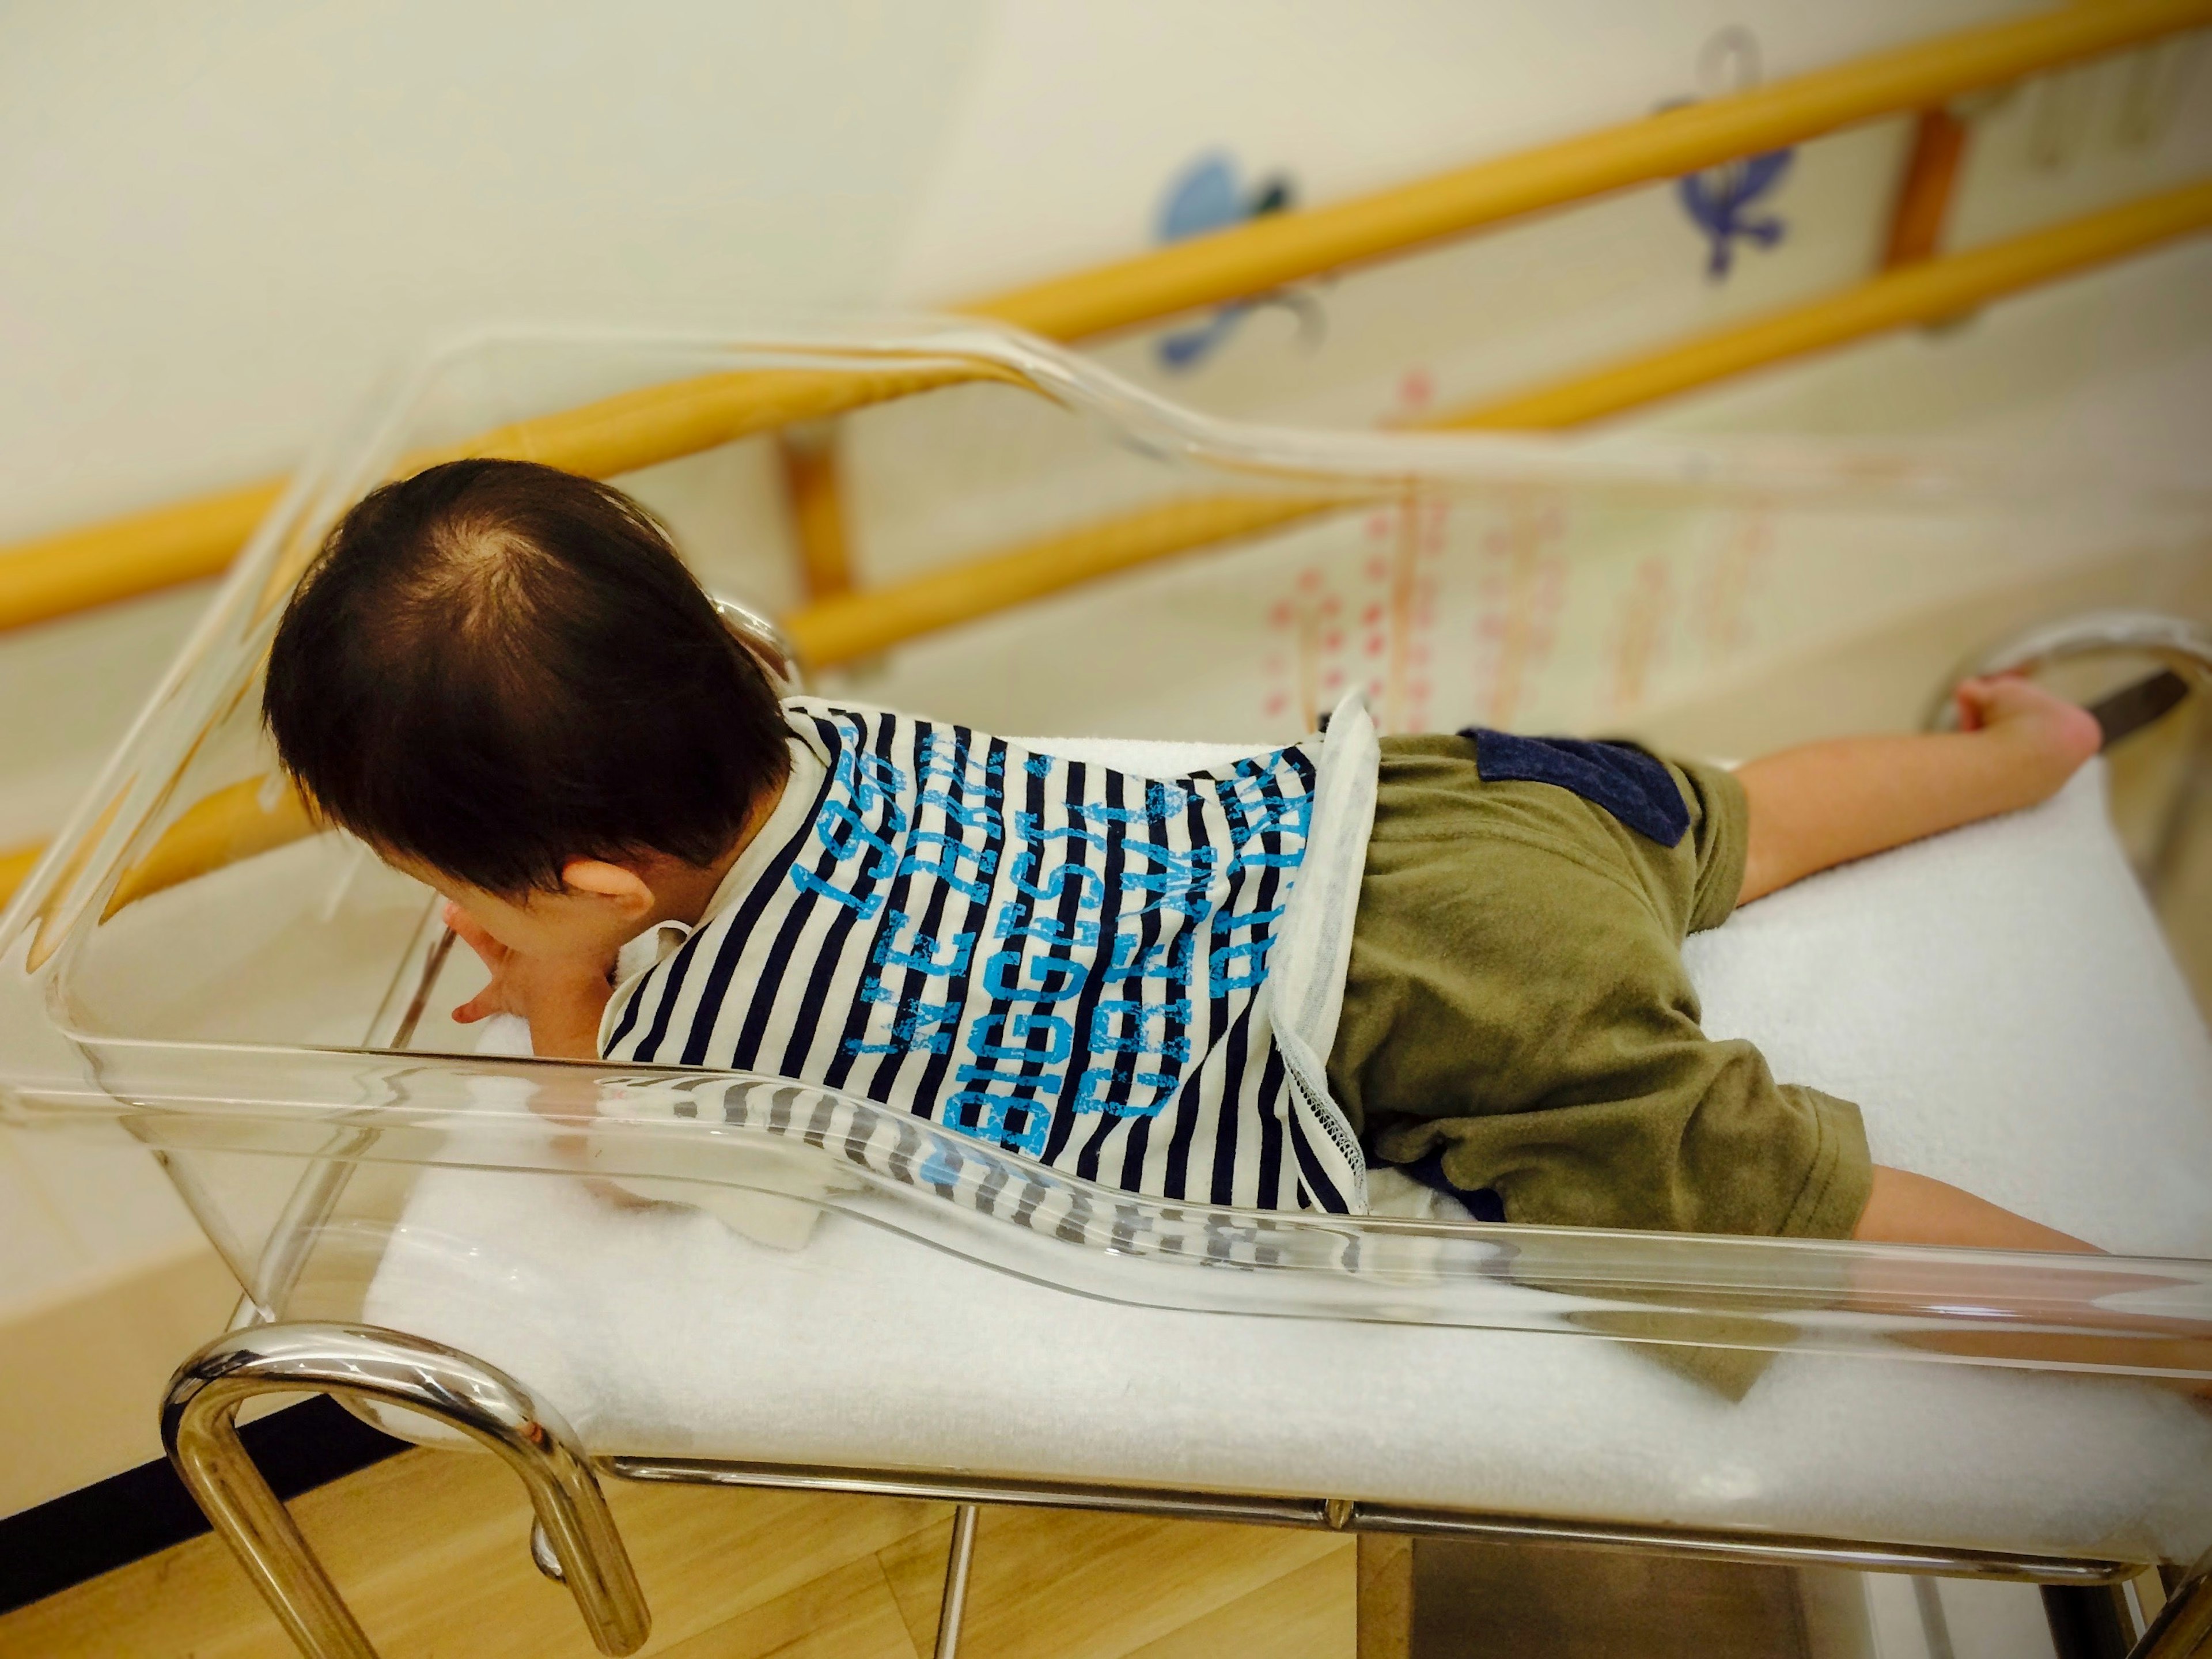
x,y
599,879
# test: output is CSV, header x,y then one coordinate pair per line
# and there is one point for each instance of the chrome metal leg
x,y
200,1428
1935,1623
957,1560
2090,1622
2183,1624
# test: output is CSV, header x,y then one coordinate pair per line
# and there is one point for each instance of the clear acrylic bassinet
x,y
702,1271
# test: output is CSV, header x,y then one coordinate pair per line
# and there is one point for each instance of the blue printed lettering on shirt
x,y
1090,885
1182,880
1016,1035
1054,978
846,835
1103,1089
1019,1125
962,773
868,777
921,954
1240,967
983,815
1167,959
1018,920
1030,828
951,852
1122,1026
1268,815
1161,800
864,904
926,1027
1115,926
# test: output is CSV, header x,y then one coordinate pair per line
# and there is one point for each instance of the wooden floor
x,y
430,1549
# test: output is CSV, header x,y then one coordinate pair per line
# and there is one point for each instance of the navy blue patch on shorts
x,y
1483,1203
1632,786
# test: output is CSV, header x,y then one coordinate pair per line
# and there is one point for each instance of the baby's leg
x,y
1905,1208
2105,1332
1828,803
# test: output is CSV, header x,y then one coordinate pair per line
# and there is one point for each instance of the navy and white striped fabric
x,y
1056,958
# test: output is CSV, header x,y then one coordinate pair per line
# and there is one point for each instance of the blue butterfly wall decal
x,y
1207,196
1719,202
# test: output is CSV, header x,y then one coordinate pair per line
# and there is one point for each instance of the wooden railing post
x,y
1923,207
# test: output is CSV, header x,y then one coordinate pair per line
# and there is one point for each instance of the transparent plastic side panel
x,y
703,1267
1527,602
265,1004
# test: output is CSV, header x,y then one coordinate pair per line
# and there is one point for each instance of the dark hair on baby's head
x,y
494,667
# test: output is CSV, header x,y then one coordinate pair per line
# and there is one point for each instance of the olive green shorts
x,y
1517,1004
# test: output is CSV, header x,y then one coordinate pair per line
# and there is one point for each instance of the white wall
x,y
217,222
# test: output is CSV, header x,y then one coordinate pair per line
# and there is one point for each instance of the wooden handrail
x,y
837,630
16,867
856,625
55,574
258,815
1268,252
1928,291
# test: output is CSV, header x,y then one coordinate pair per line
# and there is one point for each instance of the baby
x,y
1241,985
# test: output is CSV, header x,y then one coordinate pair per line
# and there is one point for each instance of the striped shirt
x,y
1063,959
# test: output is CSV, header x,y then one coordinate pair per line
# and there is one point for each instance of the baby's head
x,y
503,679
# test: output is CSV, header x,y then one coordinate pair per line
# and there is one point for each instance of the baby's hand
x,y
494,998
2054,736
561,997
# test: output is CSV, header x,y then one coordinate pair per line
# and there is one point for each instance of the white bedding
x,y
1998,1000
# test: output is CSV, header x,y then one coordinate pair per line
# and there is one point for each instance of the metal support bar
x,y
199,1429
2183,1625
1750,1548
957,1560
1773,1549
980,1489
2089,1623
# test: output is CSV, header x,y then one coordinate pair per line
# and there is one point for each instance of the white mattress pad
x,y
1999,1002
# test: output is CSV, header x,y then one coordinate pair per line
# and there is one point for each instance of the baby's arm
x,y
1826,804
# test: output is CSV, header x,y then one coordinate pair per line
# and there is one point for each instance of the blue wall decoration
x,y
1719,202
1207,196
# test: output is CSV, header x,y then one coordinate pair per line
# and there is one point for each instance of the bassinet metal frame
x,y
574,1538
